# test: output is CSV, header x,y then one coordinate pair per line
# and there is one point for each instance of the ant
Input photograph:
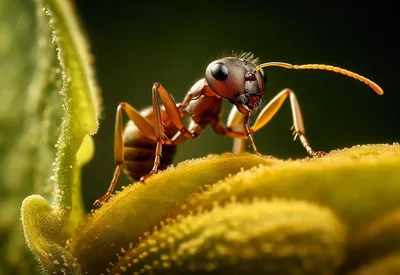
x,y
159,129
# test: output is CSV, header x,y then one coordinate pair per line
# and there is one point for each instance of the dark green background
x,y
136,43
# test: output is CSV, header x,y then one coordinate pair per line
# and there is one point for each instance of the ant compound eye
x,y
264,76
219,71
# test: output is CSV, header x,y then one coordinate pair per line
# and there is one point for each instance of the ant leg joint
x,y
123,105
318,154
310,151
188,134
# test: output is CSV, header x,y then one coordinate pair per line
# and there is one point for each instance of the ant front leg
x,y
236,118
238,128
249,135
144,126
299,131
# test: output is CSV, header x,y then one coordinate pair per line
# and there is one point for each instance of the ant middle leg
x,y
236,118
171,108
174,114
235,123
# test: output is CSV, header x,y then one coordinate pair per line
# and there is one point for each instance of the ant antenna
x,y
331,68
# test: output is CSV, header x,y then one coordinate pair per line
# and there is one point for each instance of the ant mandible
x,y
239,80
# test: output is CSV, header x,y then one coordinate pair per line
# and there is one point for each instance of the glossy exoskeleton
x,y
159,129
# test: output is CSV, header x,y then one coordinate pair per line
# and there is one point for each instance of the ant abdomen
x,y
139,150
139,157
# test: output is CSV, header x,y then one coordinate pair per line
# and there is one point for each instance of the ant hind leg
x,y
144,126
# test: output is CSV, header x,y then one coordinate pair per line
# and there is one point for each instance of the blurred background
x,y
136,43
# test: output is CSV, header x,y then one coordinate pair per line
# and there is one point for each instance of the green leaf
x,y
42,228
62,72
29,123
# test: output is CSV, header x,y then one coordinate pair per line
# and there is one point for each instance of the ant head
x,y
235,79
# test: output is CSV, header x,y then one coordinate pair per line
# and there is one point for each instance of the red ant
x,y
239,80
